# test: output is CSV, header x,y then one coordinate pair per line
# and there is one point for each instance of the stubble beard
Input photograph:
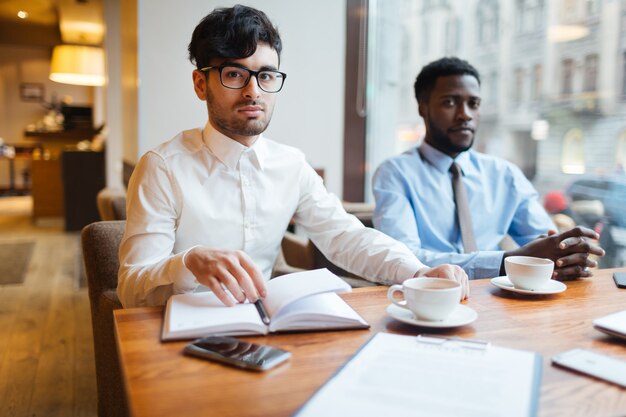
x,y
233,125
441,141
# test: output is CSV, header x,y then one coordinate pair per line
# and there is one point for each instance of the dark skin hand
x,y
569,250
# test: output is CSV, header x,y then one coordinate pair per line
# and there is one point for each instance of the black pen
x,y
262,312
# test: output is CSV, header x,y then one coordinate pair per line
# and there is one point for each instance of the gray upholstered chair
x,y
100,245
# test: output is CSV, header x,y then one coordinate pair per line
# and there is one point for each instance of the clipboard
x,y
432,376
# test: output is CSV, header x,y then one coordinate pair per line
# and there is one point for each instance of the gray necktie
x,y
462,209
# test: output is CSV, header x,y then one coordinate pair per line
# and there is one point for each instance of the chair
x,y
100,245
297,251
111,204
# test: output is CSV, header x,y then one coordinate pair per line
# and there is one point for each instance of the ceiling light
x,y
22,14
77,65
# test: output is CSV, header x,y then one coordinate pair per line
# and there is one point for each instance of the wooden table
x,y
160,381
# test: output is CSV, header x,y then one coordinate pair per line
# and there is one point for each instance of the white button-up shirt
x,y
203,188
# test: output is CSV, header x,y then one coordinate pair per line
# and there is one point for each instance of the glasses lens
x,y
234,77
270,81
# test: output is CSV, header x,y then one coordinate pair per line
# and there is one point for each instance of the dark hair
x,y
427,78
231,32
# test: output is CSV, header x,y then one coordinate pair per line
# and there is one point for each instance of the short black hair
x,y
231,32
427,78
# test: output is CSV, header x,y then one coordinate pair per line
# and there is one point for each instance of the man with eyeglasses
x,y
210,206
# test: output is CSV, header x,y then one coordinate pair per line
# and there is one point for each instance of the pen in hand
x,y
262,312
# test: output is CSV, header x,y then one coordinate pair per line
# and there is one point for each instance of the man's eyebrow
x,y
456,96
235,64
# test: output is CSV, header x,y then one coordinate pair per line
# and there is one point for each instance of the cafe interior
x,y
88,86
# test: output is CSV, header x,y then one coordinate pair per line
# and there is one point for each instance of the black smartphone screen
x,y
620,279
237,352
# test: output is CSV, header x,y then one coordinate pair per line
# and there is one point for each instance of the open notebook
x,y
295,302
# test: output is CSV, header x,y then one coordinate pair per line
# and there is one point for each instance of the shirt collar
x,y
229,151
442,161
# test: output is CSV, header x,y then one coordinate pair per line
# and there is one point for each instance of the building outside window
x,y
624,72
529,15
537,82
591,72
573,154
518,90
575,142
487,21
452,36
592,7
620,156
567,76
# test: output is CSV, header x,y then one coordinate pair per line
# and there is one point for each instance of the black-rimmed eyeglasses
x,y
237,78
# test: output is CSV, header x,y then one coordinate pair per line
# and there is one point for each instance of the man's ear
x,y
422,109
200,84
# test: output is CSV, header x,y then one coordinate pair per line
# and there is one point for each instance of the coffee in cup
x,y
431,299
528,272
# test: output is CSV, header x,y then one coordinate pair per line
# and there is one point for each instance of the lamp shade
x,y
78,65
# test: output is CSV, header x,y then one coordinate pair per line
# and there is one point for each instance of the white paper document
x,y
394,375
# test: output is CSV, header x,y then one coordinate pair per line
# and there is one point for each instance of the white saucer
x,y
461,316
553,287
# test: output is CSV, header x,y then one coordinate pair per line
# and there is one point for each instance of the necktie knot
x,y
455,169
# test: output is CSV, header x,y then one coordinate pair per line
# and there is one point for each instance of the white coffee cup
x,y
528,272
431,299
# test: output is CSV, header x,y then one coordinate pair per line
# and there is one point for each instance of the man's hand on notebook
x,y
453,272
233,270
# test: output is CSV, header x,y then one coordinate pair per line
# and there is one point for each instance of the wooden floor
x,y
46,349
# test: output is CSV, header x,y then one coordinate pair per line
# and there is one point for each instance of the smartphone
x,y
620,279
238,353
594,364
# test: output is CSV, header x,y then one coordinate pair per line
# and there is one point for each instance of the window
x,y
494,88
489,89
624,70
591,72
569,11
529,16
518,92
519,17
487,21
573,153
452,36
537,82
515,71
567,72
620,157
592,7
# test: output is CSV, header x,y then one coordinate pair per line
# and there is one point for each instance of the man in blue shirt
x,y
415,199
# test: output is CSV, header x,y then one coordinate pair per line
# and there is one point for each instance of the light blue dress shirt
x,y
415,205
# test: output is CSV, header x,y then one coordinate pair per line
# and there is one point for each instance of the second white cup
x,y
527,272
431,299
